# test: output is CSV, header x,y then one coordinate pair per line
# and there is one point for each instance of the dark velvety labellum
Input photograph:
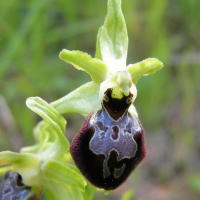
x,y
107,149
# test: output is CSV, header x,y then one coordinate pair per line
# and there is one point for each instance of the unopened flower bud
x,y
12,188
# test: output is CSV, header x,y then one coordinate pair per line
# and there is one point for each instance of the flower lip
x,y
115,106
102,158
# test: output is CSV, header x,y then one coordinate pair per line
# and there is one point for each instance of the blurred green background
x,y
33,32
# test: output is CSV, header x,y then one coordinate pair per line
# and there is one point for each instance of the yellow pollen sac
x,y
117,93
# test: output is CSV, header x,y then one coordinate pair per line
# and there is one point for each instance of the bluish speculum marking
x,y
113,135
110,143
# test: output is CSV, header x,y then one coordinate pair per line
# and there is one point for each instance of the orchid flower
x,y
108,69
111,142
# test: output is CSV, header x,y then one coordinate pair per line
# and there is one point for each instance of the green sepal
x,y
82,61
60,173
114,39
56,127
98,50
82,100
144,68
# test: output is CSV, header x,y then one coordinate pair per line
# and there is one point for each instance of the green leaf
x,y
114,39
63,174
27,165
60,191
127,195
56,127
82,100
82,61
144,68
98,50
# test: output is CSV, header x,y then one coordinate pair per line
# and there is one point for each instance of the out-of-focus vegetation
x,y
33,32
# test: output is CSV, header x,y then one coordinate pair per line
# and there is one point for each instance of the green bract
x,y
45,163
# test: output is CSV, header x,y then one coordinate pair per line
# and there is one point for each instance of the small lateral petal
x,y
144,68
82,61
